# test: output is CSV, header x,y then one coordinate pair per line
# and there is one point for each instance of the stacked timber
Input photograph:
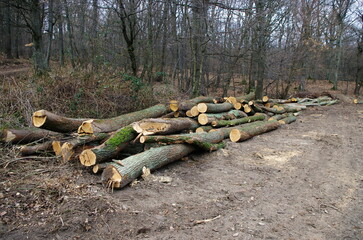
x,y
120,147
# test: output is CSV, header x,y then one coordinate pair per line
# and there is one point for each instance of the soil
x,y
302,181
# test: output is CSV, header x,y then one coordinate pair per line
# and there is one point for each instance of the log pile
x,y
120,147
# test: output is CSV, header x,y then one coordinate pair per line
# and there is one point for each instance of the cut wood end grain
x,y
56,145
202,107
39,118
173,105
7,136
87,158
237,105
111,177
86,127
194,111
67,151
203,119
265,99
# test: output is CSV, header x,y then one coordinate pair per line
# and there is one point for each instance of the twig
x,y
206,220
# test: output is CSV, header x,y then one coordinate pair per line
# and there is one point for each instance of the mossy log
x,y
50,121
118,175
208,118
40,148
287,120
113,124
110,148
247,98
238,121
274,110
206,141
214,108
26,135
188,104
164,125
244,133
278,117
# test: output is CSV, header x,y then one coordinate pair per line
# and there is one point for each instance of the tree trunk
x,y
244,133
7,32
47,120
109,149
214,108
164,125
70,33
207,141
45,147
26,135
205,119
50,32
113,124
188,104
118,175
238,121
40,65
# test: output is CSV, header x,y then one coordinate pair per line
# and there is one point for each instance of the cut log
x,y
238,121
244,133
207,141
50,121
248,109
273,110
206,118
203,129
194,111
118,175
278,117
214,108
164,125
187,105
247,97
40,148
109,149
356,101
287,120
265,99
112,124
26,135
98,168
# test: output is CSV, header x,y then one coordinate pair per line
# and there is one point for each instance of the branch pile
x,y
120,147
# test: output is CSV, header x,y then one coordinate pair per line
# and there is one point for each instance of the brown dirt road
x,y
302,181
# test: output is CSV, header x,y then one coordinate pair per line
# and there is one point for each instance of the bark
x,y
164,125
109,149
47,120
188,104
274,110
118,175
287,120
112,124
45,147
214,108
207,141
68,149
7,32
26,135
248,97
50,32
244,133
238,121
205,119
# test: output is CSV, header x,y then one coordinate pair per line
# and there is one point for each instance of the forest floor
x,y
302,181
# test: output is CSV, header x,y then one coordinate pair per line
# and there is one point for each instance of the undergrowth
x,y
76,93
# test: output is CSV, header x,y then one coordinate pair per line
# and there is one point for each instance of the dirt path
x,y
303,181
